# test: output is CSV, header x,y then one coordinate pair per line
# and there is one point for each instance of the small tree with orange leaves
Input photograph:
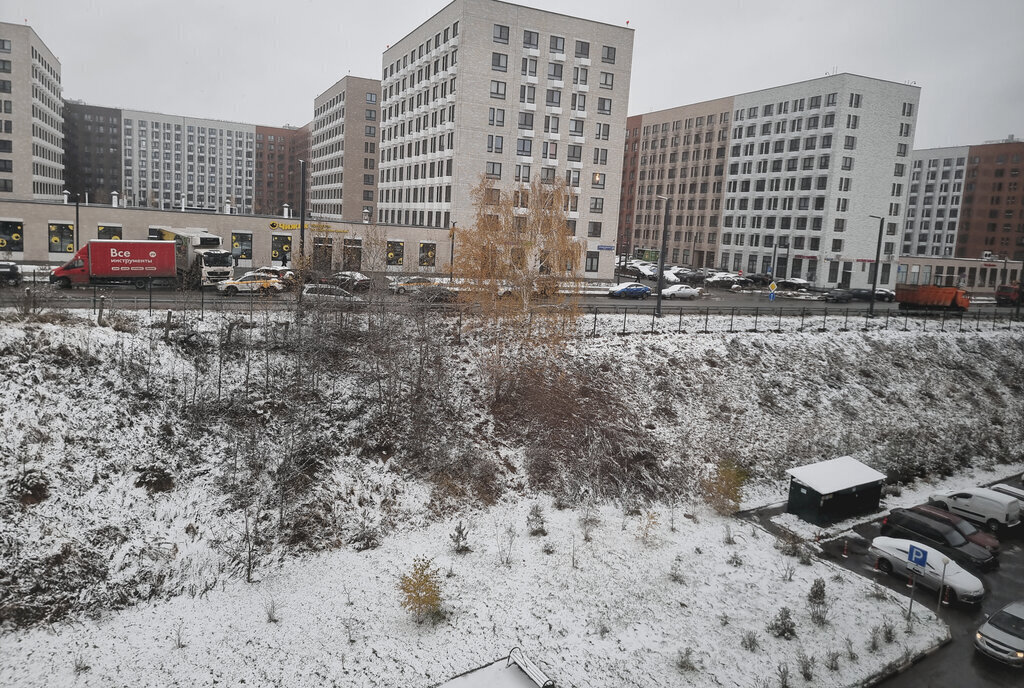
x,y
519,265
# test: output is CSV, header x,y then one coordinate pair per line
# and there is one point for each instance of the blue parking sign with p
x,y
917,556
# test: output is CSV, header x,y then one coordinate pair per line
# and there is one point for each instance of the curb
x,y
887,672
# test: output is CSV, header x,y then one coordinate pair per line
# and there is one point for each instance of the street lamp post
x,y
661,256
451,255
878,266
945,560
302,221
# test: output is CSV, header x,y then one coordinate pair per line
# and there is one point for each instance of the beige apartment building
x,y
344,151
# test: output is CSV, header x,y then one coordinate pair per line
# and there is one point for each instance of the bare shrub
x,y
782,671
81,666
675,574
851,654
749,642
805,664
270,607
155,476
728,538
648,527
589,520
179,635
506,540
817,593
874,641
734,560
832,660
684,660
787,570
888,631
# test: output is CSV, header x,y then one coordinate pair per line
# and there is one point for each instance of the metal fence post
x,y
732,318
680,328
779,326
756,309
942,327
625,311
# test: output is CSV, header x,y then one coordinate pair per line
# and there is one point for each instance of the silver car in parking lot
x,y
1002,636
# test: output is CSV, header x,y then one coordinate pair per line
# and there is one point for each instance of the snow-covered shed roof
x,y
496,675
826,477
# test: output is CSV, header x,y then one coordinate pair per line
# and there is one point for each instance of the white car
x,y
981,505
683,291
328,294
892,555
251,283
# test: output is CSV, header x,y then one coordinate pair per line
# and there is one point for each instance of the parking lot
x,y
956,665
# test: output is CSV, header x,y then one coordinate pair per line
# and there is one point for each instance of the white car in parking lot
x,y
682,291
893,556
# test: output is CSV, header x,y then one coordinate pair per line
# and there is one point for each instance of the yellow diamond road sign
x,y
772,286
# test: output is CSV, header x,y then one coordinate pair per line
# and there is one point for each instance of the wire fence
x,y
595,320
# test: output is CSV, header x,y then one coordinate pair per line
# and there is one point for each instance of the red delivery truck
x,y
117,262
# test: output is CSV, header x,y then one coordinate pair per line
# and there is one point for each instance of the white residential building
x,y
933,203
488,88
31,117
802,173
203,163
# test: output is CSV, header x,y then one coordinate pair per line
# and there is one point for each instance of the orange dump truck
x,y
931,297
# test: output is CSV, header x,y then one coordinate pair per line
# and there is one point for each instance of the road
x,y
956,665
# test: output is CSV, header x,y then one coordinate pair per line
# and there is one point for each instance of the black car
x,y
902,523
351,281
10,274
839,296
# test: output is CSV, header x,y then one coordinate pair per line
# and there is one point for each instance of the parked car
x,y
1001,637
400,285
885,295
963,526
892,555
792,283
902,523
629,271
251,283
725,280
349,280
1014,492
286,275
435,294
682,291
329,294
838,296
10,274
629,290
992,509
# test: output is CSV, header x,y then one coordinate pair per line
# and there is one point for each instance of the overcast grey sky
x,y
263,61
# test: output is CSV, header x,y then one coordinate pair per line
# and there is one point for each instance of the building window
x,y
370,98
557,44
607,80
493,170
596,205
368,180
370,130
495,144
498,90
531,39
604,106
594,229
371,115
597,180
555,71
526,120
608,54
496,117
593,259
428,255
553,98
524,147
582,49
499,62
500,34
61,238
396,252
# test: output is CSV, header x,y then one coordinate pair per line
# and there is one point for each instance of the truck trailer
x,y
931,297
102,262
198,256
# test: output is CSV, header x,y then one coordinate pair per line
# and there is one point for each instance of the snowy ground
x,y
91,406
616,619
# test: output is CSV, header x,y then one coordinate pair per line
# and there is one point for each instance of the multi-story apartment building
x,y
31,117
488,88
170,160
93,157
792,180
933,201
992,210
277,178
344,150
